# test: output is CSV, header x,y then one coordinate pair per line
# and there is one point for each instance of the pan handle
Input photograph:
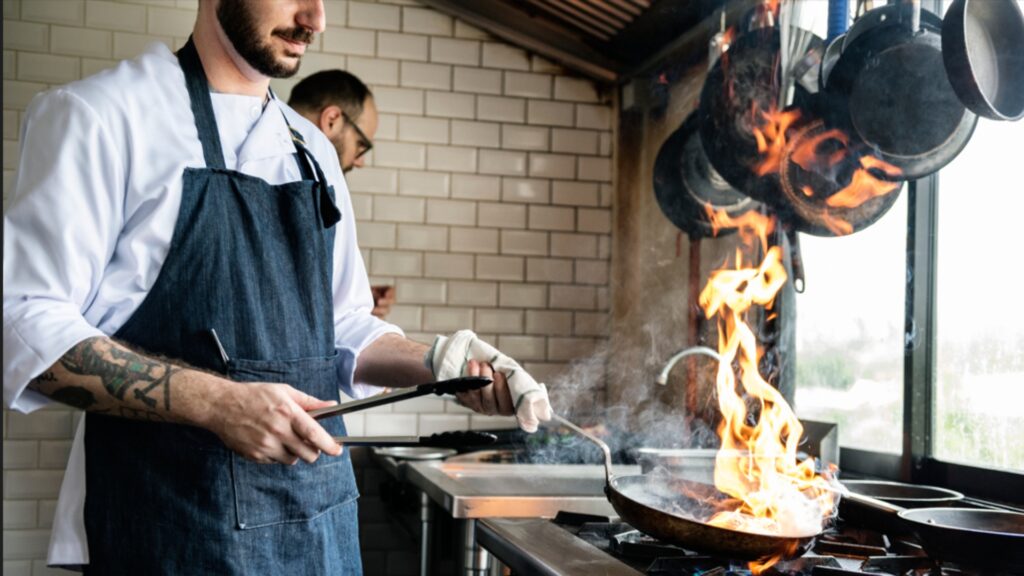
x,y
874,503
600,444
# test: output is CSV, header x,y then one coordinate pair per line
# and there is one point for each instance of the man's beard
x,y
239,24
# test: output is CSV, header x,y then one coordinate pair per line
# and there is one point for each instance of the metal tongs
x,y
444,439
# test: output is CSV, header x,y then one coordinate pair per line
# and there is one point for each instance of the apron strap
x,y
311,170
202,107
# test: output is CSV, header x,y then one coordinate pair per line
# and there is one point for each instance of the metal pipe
x,y
662,378
838,18
426,533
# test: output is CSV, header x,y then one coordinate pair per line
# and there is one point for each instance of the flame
x,y
757,463
771,139
864,186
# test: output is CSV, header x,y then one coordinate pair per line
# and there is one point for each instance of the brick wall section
x,y
486,201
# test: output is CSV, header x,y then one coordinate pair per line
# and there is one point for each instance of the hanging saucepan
x,y
742,85
686,185
983,50
828,185
654,505
889,90
970,537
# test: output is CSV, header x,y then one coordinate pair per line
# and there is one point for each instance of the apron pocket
x,y
268,494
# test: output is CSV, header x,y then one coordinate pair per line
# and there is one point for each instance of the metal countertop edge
x,y
535,546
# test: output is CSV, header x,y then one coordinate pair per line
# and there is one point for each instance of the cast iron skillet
x,y
889,90
973,537
983,50
647,502
686,185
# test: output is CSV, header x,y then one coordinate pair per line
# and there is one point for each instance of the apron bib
x,y
251,261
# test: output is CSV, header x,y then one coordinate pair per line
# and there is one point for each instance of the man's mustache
x,y
297,34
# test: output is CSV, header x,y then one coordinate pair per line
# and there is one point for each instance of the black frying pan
x,y
653,505
889,90
976,538
687,186
983,50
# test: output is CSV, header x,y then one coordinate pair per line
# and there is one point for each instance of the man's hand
x,y
268,423
450,357
383,298
492,399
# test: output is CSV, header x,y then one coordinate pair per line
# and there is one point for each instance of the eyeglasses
x,y
364,144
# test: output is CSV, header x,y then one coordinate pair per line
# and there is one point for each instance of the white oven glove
x,y
449,356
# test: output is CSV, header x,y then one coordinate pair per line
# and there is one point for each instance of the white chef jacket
x,y
96,198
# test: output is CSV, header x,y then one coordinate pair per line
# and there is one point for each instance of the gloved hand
x,y
448,358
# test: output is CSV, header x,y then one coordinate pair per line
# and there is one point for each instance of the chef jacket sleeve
x,y
59,232
355,327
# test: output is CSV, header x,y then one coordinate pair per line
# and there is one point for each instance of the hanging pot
x,y
744,82
889,90
687,186
983,51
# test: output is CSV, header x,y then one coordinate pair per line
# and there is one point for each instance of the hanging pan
x,y
687,186
890,91
983,51
745,81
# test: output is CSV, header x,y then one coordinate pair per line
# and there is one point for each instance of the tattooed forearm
x,y
121,370
104,376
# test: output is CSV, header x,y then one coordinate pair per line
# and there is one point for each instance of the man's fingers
x,y
307,402
471,398
296,446
503,395
488,403
313,434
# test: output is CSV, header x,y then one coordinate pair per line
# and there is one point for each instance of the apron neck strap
x,y
202,107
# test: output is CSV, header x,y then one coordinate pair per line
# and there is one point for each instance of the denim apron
x,y
251,261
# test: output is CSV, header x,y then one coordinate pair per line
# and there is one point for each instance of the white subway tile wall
x,y
486,201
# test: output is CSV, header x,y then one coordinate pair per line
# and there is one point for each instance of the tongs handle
x,y
464,384
456,439
452,386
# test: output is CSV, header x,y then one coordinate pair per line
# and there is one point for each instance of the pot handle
x,y
600,444
915,16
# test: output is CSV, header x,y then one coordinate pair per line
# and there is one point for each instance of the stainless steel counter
x,y
514,490
539,547
468,491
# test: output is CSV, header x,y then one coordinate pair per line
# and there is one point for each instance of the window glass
x,y
849,332
979,395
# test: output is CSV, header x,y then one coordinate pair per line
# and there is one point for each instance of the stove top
x,y
841,550
584,544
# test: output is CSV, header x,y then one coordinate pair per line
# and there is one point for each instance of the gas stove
x,y
606,546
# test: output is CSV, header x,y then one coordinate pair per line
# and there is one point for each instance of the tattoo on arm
x,y
121,370
132,384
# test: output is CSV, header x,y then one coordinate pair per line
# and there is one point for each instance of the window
x,y
849,332
978,401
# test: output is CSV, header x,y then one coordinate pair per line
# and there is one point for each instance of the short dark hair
x,y
317,91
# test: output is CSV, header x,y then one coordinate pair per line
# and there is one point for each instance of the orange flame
x,y
864,186
757,463
771,139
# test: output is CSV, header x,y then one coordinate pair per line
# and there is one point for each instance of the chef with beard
x,y
180,261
